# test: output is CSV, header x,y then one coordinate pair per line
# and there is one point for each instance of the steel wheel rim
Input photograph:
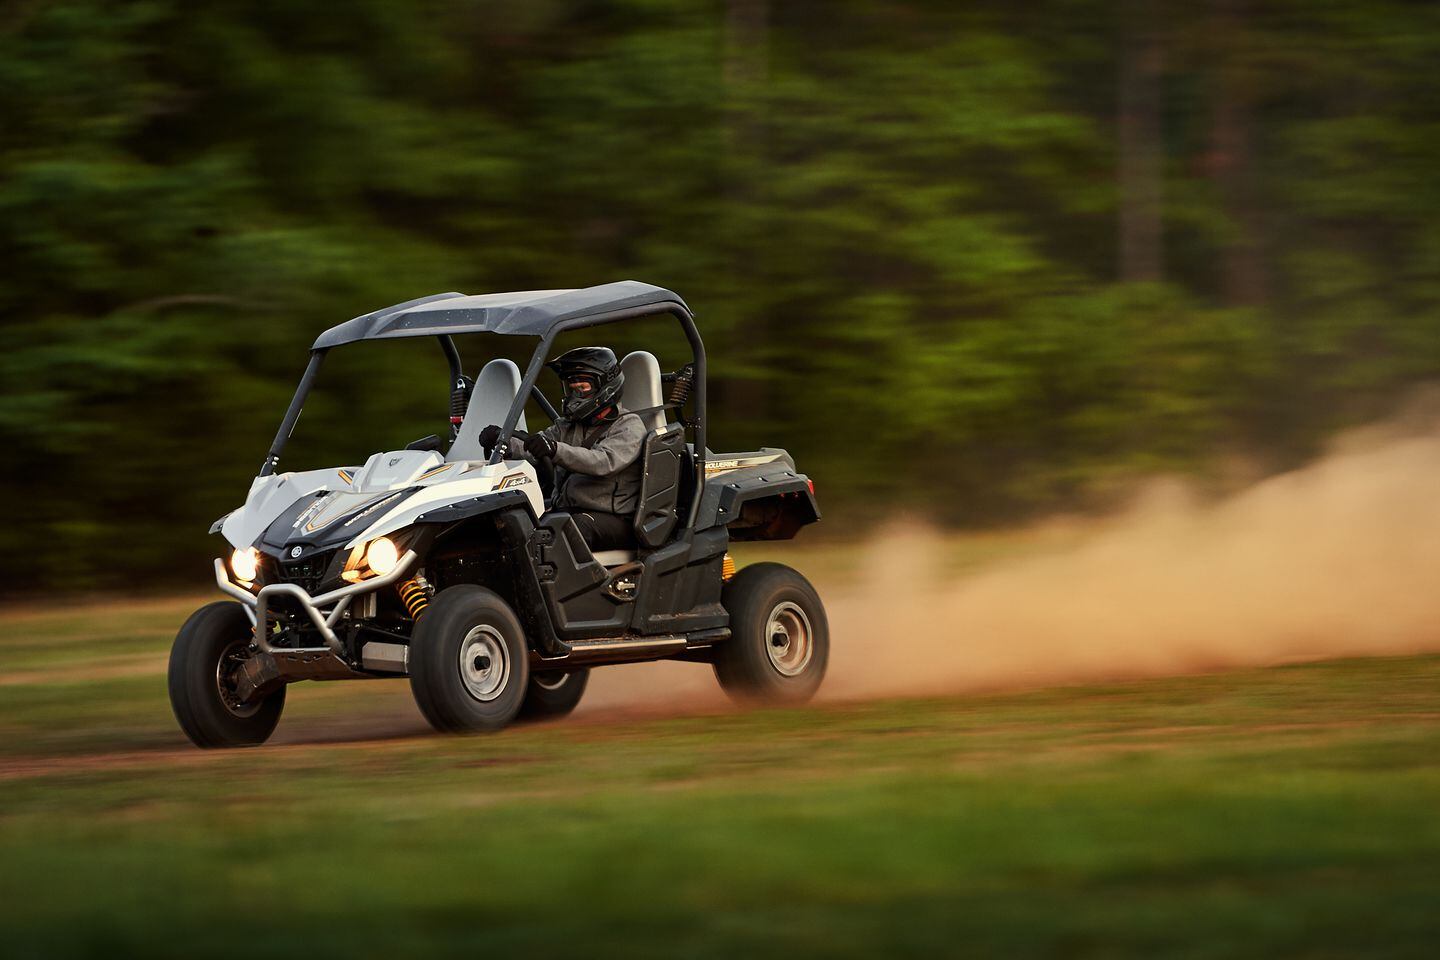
x,y
228,662
789,641
550,680
484,663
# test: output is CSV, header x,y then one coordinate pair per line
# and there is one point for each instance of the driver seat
x,y
490,400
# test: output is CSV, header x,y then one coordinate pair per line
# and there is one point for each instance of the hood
x,y
323,521
318,510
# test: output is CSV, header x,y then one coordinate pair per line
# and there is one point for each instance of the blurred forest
x,y
1010,254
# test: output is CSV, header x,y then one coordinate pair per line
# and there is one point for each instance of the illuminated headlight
x,y
245,564
382,556
373,559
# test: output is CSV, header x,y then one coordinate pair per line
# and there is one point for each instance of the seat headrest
x,y
642,387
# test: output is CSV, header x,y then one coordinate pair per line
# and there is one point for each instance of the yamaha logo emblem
x,y
295,552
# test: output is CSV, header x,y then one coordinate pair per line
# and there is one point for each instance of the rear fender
x,y
759,501
764,510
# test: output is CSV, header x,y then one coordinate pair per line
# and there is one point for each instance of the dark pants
x,y
605,531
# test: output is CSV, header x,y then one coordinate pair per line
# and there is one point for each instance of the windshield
x,y
383,395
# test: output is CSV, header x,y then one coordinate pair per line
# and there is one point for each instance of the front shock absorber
x,y
415,594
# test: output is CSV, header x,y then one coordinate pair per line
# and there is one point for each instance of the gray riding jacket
x,y
597,468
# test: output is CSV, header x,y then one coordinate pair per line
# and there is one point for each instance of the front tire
x,y
553,694
469,666
779,642
207,650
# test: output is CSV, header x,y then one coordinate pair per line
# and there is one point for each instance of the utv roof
x,y
527,313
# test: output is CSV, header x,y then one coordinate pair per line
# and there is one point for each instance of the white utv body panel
x,y
473,480
398,468
381,482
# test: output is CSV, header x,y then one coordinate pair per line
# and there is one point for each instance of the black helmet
x,y
592,381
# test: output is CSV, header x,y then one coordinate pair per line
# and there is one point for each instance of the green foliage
x,y
897,223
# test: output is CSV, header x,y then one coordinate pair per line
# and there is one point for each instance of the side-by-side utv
x,y
443,564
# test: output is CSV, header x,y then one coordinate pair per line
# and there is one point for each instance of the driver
x,y
595,446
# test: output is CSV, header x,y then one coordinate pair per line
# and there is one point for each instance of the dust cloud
x,y
1340,558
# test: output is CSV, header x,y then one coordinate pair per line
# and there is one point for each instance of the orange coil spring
x,y
415,594
727,567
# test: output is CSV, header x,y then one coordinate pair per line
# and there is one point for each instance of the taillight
x,y
811,484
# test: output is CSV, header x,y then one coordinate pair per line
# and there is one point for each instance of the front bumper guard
x,y
257,605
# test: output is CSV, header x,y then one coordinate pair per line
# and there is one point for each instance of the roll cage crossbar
x,y
442,320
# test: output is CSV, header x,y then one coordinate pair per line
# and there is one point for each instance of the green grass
x,y
1280,812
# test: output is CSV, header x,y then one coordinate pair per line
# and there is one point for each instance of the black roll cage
x,y
528,385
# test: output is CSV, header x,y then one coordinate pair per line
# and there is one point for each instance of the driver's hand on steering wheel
x,y
489,437
540,447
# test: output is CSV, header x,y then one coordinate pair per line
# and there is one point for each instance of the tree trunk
x,y
747,29
1140,169
745,70
1232,158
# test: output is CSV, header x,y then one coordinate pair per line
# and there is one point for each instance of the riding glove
x,y
540,447
489,437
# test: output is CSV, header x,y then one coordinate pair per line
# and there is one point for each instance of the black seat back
x,y
655,516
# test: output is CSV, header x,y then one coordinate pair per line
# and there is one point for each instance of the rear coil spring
x,y
415,594
680,386
459,402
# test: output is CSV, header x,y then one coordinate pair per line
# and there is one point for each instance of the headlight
x,y
245,564
382,556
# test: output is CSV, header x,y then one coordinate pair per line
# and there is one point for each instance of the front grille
x,y
309,573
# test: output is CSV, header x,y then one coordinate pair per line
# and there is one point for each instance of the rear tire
x,y
552,694
207,649
469,666
779,645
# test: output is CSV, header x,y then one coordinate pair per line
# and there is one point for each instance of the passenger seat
x,y
490,401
